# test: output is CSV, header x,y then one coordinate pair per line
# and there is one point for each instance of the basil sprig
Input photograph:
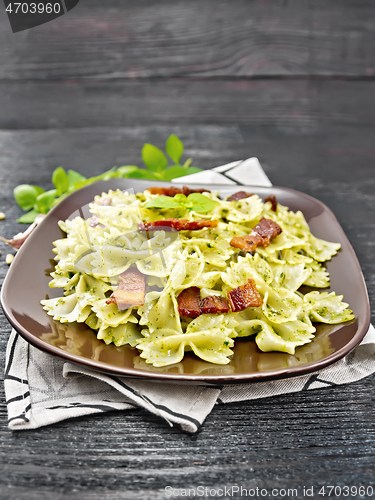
x,y
35,200
195,201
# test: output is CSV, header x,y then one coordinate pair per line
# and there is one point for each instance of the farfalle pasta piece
x,y
327,308
210,338
127,333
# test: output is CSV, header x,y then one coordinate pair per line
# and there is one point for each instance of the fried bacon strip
x,y
240,195
214,304
265,231
246,243
273,200
172,190
244,296
176,224
131,290
189,302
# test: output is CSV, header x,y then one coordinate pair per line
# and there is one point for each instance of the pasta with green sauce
x,y
98,251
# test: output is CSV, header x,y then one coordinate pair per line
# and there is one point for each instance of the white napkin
x,y
42,389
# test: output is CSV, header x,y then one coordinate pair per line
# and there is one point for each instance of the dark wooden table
x,y
291,82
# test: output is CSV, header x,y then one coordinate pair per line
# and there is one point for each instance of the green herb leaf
x,y
74,177
163,202
60,180
183,201
142,173
102,177
154,158
173,173
110,174
174,148
44,201
193,170
195,201
180,198
25,195
126,170
29,217
39,190
201,203
30,197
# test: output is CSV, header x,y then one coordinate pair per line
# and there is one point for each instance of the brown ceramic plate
x,y
27,283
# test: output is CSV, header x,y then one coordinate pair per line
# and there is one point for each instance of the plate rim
x,y
133,373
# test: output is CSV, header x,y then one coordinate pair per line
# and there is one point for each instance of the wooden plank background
x,y
289,81
200,38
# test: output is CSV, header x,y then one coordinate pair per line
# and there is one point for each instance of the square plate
x,y
26,284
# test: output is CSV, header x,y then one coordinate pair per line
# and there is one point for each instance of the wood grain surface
x,y
299,107
290,82
205,38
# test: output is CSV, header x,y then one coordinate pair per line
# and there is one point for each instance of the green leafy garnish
x,y
201,203
74,177
163,202
44,201
173,172
154,159
125,171
60,180
174,148
35,200
29,217
26,195
195,201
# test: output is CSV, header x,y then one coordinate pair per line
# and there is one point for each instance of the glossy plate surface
x,y
27,283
